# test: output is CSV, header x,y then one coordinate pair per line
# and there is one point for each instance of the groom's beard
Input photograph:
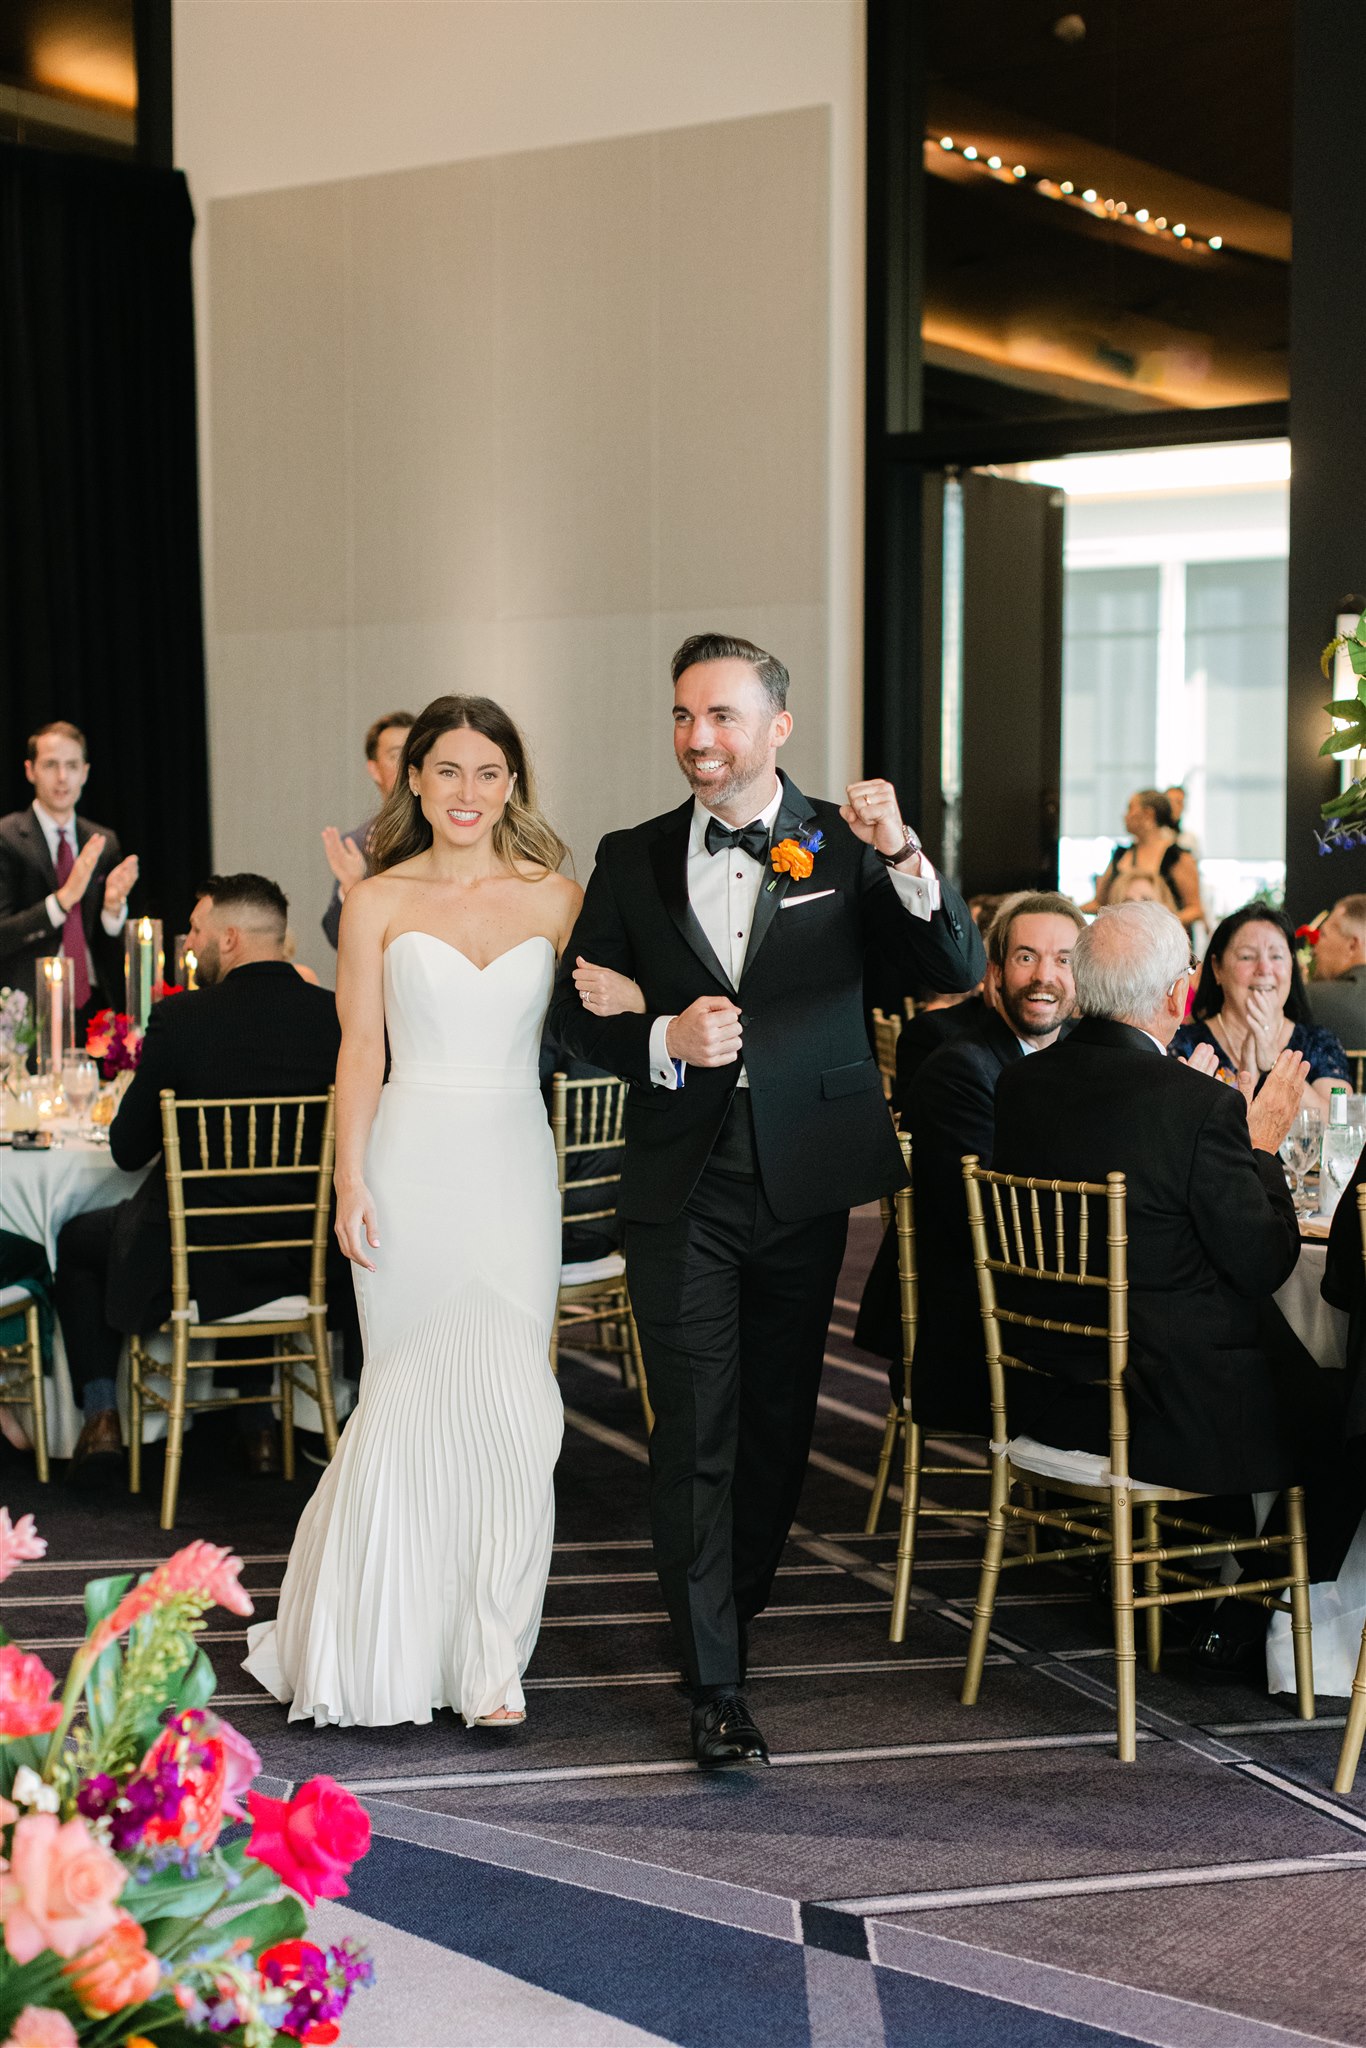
x,y
744,772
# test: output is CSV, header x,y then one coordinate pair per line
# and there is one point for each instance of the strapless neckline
x,y
506,953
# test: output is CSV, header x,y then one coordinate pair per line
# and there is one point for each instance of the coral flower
x,y
26,1703
59,1890
789,858
38,2026
312,1840
19,1542
118,1971
202,1768
203,1571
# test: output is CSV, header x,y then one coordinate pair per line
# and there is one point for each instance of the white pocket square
x,y
796,902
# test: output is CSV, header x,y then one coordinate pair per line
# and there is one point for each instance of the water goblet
x,y
80,1085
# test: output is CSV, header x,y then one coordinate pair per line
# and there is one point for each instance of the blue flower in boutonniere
x,y
795,857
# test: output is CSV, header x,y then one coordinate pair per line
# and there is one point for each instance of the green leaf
x,y
13,1757
102,1596
261,1926
1326,658
169,1895
259,1883
196,1687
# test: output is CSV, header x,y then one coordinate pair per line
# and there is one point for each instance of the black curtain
x,y
100,604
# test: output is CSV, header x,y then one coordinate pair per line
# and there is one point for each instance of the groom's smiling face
x,y
727,734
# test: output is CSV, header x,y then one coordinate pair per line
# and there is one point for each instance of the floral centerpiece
x,y
114,1040
140,1877
16,1025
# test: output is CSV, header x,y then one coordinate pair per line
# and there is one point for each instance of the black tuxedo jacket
x,y
822,1133
262,1030
922,1036
1212,1235
949,1109
27,879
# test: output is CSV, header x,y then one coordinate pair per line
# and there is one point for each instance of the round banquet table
x,y
39,1192
1337,1606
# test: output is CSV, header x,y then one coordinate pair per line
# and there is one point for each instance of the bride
x,y
419,1566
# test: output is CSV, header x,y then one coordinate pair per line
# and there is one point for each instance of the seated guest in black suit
x,y
347,853
252,1027
63,885
949,1108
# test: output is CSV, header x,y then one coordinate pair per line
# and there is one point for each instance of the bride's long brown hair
x,y
523,833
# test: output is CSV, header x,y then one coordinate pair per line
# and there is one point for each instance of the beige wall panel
x,y
423,371
574,233
744,361
277,414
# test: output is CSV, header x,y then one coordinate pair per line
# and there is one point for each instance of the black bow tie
x,y
751,839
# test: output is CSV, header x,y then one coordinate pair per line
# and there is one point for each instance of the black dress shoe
x,y
98,1457
261,1452
1233,1646
723,1732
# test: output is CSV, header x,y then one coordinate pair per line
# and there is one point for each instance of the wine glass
x,y
80,1085
1300,1154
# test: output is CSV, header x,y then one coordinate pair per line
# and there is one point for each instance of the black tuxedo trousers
x,y
732,1306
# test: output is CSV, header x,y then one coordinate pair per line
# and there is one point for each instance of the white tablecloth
x,y
1337,1606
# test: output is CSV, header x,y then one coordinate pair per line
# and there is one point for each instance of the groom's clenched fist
x,y
706,1034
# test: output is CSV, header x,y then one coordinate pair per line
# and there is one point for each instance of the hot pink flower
x,y
38,2026
204,1569
118,1971
26,1703
242,1765
60,1888
19,1542
312,1840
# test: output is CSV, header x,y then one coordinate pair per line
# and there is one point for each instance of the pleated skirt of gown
x,y
419,1567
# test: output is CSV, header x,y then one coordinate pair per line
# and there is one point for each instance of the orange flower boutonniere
x,y
795,857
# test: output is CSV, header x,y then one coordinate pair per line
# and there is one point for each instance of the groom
x,y
755,1122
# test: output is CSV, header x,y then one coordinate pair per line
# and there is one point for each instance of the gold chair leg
x,y
175,1424
1030,1499
1122,1607
1301,1631
33,1342
135,1364
910,1521
884,1469
644,1385
987,1583
322,1374
1152,1583
286,1370
1350,1754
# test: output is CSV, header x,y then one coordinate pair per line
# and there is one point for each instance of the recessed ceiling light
x,y
1067,186
1089,195
971,154
1142,214
1179,230
1161,221
1216,241
946,142
993,163
1020,171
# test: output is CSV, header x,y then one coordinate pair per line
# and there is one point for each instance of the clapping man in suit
x,y
63,884
741,922
346,851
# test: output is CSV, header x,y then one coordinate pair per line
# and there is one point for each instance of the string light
x,y
1109,209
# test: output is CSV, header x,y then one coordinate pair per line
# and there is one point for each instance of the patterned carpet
x,y
910,1871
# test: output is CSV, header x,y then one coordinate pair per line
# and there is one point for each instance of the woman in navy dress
x,y
1250,1006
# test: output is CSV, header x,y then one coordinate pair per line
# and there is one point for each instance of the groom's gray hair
x,y
726,647
1124,963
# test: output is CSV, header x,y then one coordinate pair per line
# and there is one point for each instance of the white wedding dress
x,y
419,1566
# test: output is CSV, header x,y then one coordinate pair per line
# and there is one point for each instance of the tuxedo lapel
x,y
669,857
35,846
794,815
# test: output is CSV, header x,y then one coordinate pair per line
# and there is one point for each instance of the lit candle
x,y
57,1005
144,1009
191,969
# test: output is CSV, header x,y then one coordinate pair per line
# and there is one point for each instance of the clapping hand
x,y
345,859
1264,1021
1204,1060
118,882
606,993
1269,1118
873,815
82,868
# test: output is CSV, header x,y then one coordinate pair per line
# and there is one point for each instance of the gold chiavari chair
x,y
587,1117
886,1031
238,1140
1350,1754
21,1368
1054,1243
910,1006
1357,1057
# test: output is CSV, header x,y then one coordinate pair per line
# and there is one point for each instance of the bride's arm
x,y
360,1065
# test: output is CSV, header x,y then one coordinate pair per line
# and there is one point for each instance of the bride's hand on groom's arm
x,y
605,993
357,1224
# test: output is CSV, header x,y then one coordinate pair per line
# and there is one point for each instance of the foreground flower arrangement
x,y
129,1920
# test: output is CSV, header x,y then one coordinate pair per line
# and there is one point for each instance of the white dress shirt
x,y
112,920
723,889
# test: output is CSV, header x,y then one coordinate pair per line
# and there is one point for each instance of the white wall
x,y
275,95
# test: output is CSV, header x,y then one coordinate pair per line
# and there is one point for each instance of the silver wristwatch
x,y
894,860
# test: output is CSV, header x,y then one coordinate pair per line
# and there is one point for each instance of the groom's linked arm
x,y
619,1045
941,951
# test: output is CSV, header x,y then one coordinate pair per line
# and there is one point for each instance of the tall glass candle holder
x,y
54,1015
143,966
186,963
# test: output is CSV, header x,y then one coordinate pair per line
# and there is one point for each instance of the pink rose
x,y
38,2026
311,1840
19,1542
60,1888
26,1703
118,1971
242,1764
